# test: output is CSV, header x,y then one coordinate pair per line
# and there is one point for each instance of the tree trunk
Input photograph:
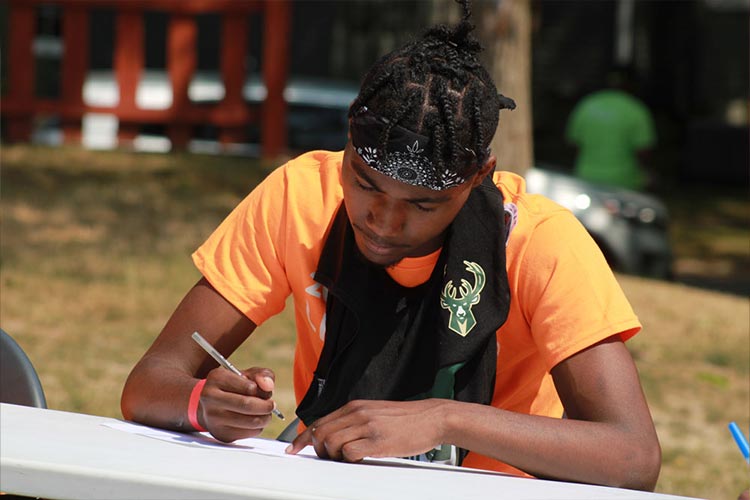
x,y
505,30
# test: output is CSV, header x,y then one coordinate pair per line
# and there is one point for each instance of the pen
x,y
740,439
225,363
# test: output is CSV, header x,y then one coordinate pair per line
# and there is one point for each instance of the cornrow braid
x,y
436,86
466,6
446,105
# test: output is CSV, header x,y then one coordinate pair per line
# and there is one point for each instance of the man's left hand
x,y
364,428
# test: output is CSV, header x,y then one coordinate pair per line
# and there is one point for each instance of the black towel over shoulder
x,y
388,342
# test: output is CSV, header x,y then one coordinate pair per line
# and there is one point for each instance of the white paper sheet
x,y
205,440
261,446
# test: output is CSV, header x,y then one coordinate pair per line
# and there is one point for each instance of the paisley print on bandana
x,y
407,154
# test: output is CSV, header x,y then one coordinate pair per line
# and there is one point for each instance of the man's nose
x,y
386,218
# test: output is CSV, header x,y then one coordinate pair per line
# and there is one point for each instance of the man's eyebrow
x,y
360,171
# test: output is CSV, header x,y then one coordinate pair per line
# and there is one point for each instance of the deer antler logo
x,y
462,319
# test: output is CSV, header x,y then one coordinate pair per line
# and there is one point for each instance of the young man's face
x,y
393,220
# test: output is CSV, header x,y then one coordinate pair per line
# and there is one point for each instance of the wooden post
x,y
22,25
275,63
75,27
128,64
181,64
234,37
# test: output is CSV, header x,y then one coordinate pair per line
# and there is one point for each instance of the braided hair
x,y
436,86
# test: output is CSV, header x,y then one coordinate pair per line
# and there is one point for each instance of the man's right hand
x,y
233,407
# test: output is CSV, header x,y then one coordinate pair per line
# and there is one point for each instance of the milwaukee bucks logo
x,y
462,319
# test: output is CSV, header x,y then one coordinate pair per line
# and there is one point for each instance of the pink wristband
x,y
195,398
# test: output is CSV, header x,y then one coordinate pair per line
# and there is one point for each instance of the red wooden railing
x,y
231,115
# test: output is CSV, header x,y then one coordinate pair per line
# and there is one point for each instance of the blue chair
x,y
19,382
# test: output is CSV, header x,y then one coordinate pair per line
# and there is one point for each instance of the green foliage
x,y
714,379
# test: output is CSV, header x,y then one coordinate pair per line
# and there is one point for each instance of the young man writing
x,y
442,312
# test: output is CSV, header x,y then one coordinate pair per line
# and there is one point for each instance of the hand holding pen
x,y
225,363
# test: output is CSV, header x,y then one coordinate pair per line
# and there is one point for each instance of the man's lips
x,y
378,245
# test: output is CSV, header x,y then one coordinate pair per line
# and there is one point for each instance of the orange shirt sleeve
x,y
570,296
242,258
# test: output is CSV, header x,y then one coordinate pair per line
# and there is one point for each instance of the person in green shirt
x,y
613,132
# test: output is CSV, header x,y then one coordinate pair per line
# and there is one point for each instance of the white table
x,y
54,454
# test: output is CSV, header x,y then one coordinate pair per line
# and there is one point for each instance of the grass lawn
x,y
95,254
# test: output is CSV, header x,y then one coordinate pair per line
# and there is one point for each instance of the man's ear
x,y
487,169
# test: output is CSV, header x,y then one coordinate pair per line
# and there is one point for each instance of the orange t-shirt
x,y
564,297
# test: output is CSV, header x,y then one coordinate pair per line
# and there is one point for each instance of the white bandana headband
x,y
406,157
